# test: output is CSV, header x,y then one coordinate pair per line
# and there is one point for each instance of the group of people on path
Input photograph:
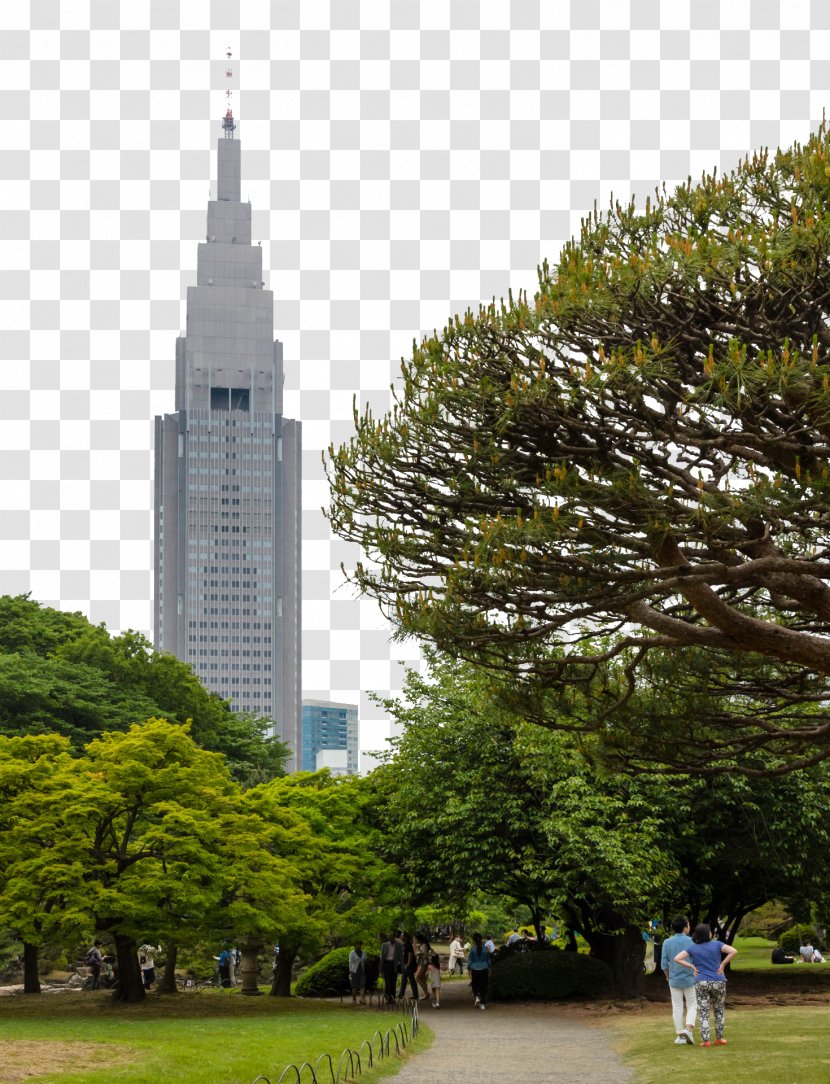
x,y
410,962
694,968
402,956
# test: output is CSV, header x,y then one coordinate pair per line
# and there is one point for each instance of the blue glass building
x,y
327,726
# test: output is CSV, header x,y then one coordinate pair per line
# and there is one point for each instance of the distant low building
x,y
329,737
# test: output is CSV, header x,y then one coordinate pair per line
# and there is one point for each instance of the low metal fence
x,y
352,1062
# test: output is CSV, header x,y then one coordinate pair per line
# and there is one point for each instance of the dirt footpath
x,y
507,1043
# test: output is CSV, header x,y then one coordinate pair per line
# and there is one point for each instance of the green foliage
x,y
549,976
145,836
791,939
330,976
346,886
768,921
59,673
634,459
532,816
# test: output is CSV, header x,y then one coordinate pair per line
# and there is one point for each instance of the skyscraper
x,y
227,479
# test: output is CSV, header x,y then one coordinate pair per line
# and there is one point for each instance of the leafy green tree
x,y
474,799
636,458
145,837
60,673
26,764
348,889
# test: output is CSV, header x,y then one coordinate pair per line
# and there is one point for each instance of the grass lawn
x,y
755,953
771,1045
201,1038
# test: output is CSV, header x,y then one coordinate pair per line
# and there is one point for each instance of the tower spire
x,y
228,124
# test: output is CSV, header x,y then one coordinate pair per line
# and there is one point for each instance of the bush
x,y
549,976
790,940
330,975
769,921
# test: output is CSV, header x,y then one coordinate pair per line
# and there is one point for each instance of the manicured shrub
x,y
330,976
549,976
790,940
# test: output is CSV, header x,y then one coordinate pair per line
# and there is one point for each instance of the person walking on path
x,y
408,967
456,959
391,964
707,959
478,965
681,981
357,973
434,980
422,955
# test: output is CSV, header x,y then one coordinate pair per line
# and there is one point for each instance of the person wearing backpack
x,y
95,961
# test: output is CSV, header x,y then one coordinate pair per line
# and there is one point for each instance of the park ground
x,y
210,1037
776,1026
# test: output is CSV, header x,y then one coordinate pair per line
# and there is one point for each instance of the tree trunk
x,y
168,979
31,980
250,967
130,986
624,953
536,918
281,986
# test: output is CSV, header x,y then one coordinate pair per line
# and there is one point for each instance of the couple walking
x,y
694,967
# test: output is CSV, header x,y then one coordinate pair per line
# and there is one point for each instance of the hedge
x,y
790,940
549,976
330,976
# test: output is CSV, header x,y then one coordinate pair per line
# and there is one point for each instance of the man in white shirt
x,y
456,960
147,964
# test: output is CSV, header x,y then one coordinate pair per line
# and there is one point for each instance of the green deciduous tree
x,y
636,458
348,888
145,837
60,673
476,799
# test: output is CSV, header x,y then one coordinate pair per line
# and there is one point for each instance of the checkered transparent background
x,y
404,160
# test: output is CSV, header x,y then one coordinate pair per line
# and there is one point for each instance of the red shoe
x,y
720,1042
707,1043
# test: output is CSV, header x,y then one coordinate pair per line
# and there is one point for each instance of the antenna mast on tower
x,y
228,124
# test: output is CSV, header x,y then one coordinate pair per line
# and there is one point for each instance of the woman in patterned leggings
x,y
707,959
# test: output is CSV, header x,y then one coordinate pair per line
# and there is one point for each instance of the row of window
x,y
233,624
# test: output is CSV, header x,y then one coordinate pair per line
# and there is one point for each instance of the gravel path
x,y
511,1044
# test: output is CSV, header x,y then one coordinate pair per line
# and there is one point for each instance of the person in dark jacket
x,y
391,964
408,966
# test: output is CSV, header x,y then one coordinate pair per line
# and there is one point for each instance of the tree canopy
x,y
475,799
61,674
636,458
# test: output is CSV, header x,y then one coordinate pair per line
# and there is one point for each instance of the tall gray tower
x,y
227,480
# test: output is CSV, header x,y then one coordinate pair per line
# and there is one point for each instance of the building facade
x,y
330,737
227,480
